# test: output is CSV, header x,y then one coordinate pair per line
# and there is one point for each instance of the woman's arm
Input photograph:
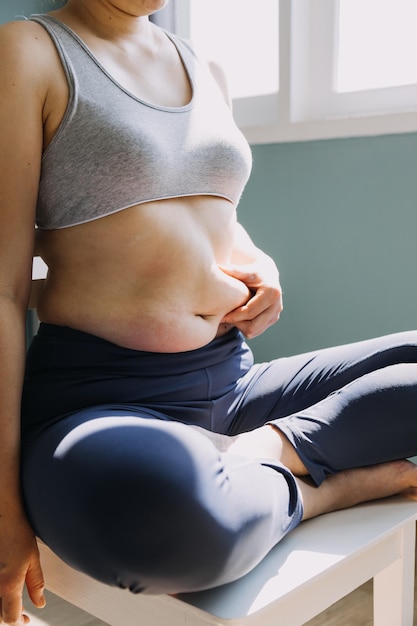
x,y
250,265
260,274
22,97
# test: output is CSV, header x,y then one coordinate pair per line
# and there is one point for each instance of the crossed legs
x,y
341,490
326,430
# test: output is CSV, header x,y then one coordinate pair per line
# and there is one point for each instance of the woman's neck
x,y
104,19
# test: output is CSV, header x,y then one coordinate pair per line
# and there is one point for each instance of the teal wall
x,y
340,219
15,9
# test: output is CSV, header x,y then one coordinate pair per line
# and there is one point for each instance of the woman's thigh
x,y
142,502
369,421
291,384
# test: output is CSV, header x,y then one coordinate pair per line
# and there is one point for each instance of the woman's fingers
x,y
12,609
35,583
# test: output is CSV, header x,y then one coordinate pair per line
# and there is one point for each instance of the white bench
x,y
321,561
314,566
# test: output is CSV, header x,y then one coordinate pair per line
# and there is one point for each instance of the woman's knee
x,y
132,502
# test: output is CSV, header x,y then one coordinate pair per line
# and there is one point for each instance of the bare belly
x,y
147,278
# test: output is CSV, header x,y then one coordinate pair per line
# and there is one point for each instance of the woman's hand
x,y
264,307
19,564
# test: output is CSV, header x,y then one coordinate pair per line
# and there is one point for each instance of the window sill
x,y
332,128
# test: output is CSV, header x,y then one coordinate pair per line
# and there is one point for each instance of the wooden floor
x,y
353,610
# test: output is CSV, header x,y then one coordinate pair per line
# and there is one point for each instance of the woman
x,y
155,455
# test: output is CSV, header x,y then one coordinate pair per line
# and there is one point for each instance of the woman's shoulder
x,y
21,31
23,43
28,58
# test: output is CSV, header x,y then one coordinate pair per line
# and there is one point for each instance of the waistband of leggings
x,y
71,348
66,333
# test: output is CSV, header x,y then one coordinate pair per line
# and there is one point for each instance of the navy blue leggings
x,y
117,483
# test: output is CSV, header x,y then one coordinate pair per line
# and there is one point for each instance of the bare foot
x,y
351,487
338,491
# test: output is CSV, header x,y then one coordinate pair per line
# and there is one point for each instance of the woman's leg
x,y
352,405
371,420
291,384
148,503
151,504
350,487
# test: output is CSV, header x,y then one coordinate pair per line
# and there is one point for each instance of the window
x,y
376,44
361,58
302,70
246,42
247,46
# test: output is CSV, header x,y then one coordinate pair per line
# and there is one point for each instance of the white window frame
x,y
306,107
249,112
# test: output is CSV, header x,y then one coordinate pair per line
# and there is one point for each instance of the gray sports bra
x,y
113,151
